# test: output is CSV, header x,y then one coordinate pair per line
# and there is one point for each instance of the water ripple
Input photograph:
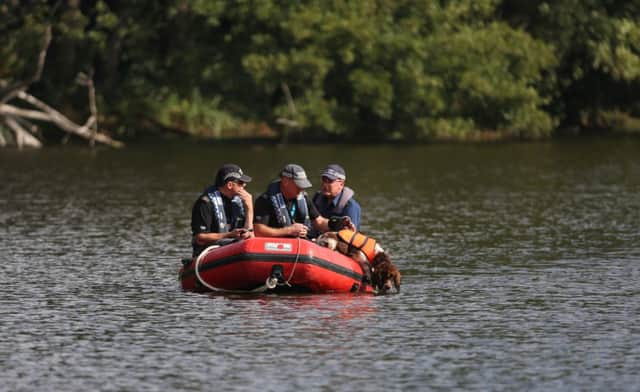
x,y
520,270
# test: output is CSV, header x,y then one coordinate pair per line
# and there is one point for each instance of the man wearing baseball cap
x,y
224,211
285,210
334,199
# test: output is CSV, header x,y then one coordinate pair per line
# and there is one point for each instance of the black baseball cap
x,y
297,174
334,172
230,172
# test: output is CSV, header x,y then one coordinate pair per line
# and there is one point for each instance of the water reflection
x,y
326,307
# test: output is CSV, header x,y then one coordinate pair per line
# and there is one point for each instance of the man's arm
x,y
247,201
201,226
321,224
209,238
262,216
295,230
352,210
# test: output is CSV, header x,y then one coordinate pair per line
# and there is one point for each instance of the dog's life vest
x,y
359,241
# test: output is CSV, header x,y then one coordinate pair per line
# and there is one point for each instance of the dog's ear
x,y
341,247
379,258
321,240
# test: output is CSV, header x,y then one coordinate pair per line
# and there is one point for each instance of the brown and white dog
x,y
375,262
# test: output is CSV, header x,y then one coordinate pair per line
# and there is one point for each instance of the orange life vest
x,y
359,241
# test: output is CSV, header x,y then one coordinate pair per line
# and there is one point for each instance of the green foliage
x,y
619,56
455,128
196,115
618,121
373,91
390,69
22,31
490,74
597,44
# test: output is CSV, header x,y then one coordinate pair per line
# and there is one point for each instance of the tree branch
x,y
23,137
87,81
22,86
292,111
10,110
63,122
12,113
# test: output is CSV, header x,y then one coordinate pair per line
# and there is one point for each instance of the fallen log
x,y
47,113
12,115
10,110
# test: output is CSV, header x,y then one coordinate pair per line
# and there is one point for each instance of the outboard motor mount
x,y
276,277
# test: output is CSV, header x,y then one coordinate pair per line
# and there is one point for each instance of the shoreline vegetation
x,y
466,71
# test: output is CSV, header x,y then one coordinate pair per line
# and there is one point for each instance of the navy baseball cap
x,y
230,172
334,172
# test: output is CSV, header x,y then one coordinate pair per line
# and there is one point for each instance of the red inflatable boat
x,y
272,264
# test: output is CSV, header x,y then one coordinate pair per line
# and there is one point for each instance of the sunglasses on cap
x,y
329,180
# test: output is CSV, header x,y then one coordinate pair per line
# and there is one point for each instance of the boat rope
x,y
295,263
266,286
197,264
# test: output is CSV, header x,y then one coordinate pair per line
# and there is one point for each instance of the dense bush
x,y
363,70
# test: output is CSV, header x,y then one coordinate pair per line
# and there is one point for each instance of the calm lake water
x,y
521,266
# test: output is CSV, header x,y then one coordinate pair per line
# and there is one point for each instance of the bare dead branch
x,y
23,137
290,103
288,123
13,115
63,122
87,81
30,127
11,110
24,85
43,55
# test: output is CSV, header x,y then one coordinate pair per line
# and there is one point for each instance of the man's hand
x,y
297,230
242,233
348,224
246,198
337,223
